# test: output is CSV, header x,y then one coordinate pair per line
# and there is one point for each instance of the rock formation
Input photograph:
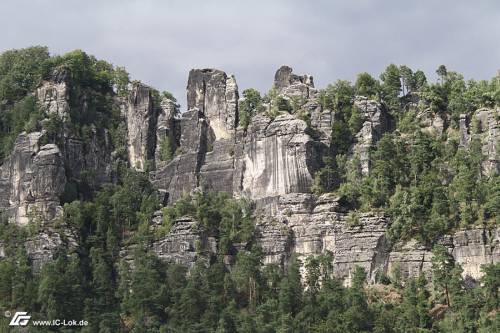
x,y
272,162
141,124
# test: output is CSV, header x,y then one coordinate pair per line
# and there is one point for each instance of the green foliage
x,y
426,185
166,149
251,104
391,86
21,71
23,116
366,85
218,215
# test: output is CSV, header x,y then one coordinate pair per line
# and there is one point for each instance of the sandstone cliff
x,y
272,162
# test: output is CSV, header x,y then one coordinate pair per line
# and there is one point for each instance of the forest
x,y
425,183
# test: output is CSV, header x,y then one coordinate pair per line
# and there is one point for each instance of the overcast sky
x,y
160,41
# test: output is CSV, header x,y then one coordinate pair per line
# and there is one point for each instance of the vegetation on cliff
x,y
425,182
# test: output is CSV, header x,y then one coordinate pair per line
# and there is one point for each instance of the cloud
x,y
159,41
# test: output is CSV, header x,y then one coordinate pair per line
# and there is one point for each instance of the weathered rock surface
x,y
279,157
141,126
185,243
488,132
53,94
181,175
272,162
270,158
216,96
292,85
309,225
470,248
166,128
375,123
33,178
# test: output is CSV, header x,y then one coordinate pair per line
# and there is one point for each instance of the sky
x,y
160,41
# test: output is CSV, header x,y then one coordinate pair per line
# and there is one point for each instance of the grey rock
x,y
166,128
375,124
488,132
216,96
181,175
141,126
42,247
279,157
185,243
33,178
292,85
464,137
53,94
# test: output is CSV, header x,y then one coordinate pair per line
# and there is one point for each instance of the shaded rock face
x,y
488,132
166,128
42,247
181,175
34,176
216,96
141,126
431,123
89,161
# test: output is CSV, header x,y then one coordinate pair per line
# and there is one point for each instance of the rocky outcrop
x,y
279,157
292,85
487,130
272,157
53,94
216,96
185,243
474,248
431,123
166,129
181,175
471,249
309,226
141,126
375,123
463,130
33,178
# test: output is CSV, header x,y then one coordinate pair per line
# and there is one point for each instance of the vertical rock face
x,y
463,131
141,123
165,128
33,178
319,224
279,157
476,247
271,158
470,248
215,95
181,175
375,123
488,132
